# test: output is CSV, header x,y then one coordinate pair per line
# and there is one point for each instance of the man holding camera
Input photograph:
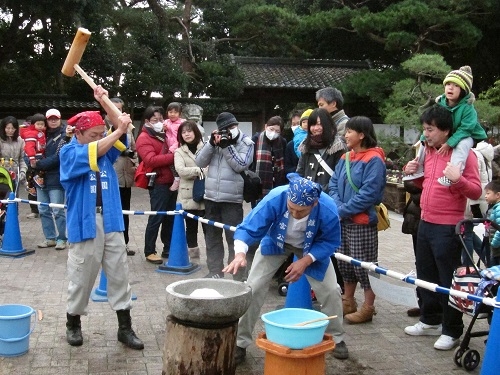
x,y
227,153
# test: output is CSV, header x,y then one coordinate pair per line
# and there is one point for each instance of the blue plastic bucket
x,y
15,323
281,328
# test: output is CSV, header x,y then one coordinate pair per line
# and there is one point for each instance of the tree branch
x,y
186,31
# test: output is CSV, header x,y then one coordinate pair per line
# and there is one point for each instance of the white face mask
x,y
234,132
294,127
271,135
158,127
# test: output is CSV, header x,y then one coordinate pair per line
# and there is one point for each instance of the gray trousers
x,y
261,273
85,259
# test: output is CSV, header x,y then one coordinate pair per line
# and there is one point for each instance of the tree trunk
x,y
199,351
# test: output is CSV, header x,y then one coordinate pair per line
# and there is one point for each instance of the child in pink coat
x,y
171,126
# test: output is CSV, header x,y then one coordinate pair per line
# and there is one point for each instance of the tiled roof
x,y
270,73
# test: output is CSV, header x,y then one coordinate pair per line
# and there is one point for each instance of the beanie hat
x,y
86,120
302,191
225,119
306,115
462,77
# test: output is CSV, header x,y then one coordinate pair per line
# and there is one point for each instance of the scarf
x,y
317,142
270,162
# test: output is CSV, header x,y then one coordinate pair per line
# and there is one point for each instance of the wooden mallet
x,y
73,59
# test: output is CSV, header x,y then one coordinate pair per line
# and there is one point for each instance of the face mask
x,y
158,127
234,132
271,135
294,127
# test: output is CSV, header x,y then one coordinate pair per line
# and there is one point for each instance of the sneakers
x,y
33,215
60,245
39,181
419,173
445,342
422,329
175,185
444,181
239,355
47,243
154,258
214,275
340,351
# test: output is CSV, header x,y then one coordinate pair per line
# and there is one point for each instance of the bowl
x,y
230,303
281,329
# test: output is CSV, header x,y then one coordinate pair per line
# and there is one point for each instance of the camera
x,y
152,177
225,137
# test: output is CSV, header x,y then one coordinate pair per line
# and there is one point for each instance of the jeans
x,y
438,255
161,199
226,213
50,214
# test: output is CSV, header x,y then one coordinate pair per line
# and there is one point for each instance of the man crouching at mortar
x,y
297,219
94,219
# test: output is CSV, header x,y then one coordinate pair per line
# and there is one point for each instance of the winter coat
x,y
125,166
50,163
223,181
412,211
367,170
15,150
153,152
309,167
186,167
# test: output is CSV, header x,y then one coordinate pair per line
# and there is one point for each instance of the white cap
x,y
53,112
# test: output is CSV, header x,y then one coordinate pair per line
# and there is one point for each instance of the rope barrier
x,y
407,278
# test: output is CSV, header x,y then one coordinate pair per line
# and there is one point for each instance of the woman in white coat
x,y
190,141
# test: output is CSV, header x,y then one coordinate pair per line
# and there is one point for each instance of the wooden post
x,y
199,350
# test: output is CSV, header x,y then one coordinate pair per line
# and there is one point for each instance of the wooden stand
x,y
199,350
285,361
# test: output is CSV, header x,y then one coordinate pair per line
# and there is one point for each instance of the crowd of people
x,y
319,192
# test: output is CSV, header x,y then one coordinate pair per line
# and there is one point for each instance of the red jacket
x,y
35,141
446,205
155,155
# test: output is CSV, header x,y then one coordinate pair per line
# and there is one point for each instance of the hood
x,y
486,150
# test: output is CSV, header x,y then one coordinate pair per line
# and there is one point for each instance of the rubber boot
x,y
349,305
74,330
363,315
126,334
194,252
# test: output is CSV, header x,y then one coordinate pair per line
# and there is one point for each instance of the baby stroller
x,y
7,185
464,356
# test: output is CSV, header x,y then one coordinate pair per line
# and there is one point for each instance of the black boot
x,y
125,333
74,330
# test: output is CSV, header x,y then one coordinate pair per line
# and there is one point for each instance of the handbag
x,y
140,178
199,188
465,279
252,186
380,209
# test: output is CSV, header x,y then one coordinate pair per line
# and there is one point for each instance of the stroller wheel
x,y
471,359
457,356
283,289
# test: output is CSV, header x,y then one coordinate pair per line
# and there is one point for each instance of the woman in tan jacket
x,y
190,141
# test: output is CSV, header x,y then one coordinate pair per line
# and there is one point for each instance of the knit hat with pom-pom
x,y
462,77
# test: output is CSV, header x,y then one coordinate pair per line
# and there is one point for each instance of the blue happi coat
x,y
79,164
267,222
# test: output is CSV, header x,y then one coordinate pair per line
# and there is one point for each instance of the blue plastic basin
x,y
280,327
